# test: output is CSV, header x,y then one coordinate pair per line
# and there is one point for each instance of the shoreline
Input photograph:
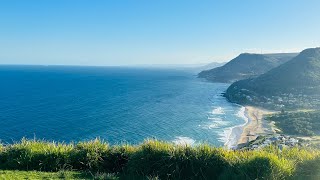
x,y
236,131
253,127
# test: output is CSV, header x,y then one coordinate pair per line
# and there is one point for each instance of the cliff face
x,y
293,84
245,66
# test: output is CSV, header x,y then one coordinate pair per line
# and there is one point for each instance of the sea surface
x,y
118,105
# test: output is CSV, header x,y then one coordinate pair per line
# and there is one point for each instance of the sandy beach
x,y
255,126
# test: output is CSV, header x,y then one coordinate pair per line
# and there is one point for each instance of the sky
x,y
140,32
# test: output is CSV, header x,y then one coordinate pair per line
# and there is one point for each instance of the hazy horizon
x,y
149,65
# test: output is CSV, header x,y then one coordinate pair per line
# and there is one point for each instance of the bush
x,y
166,161
161,160
90,155
310,169
36,155
117,159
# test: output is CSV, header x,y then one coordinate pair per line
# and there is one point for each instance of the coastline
x,y
251,129
256,125
235,132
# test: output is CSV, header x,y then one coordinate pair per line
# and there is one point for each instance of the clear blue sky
x,y
130,32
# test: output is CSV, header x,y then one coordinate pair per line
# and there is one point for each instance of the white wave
x,y
215,123
181,140
212,126
242,114
218,110
214,118
230,136
225,135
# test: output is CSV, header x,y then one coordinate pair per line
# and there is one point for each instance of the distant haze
x,y
152,32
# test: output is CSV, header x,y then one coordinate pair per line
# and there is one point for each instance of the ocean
x,y
116,104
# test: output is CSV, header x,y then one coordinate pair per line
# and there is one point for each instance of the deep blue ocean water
x,y
115,104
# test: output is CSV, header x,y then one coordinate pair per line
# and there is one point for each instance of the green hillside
x,y
294,84
245,66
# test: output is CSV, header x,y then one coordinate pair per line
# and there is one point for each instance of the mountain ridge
x,y
245,66
294,84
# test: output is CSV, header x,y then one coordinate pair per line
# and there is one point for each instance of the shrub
x,y
165,160
309,169
267,167
151,158
90,155
161,160
117,159
36,155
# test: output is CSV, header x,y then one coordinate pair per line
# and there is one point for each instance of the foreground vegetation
x,y
298,123
156,159
6,174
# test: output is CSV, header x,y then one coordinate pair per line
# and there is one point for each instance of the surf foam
x,y
218,110
216,123
232,134
182,140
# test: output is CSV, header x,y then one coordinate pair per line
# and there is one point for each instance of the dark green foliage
x,y
298,123
155,159
257,167
245,66
89,155
118,158
167,161
308,170
252,169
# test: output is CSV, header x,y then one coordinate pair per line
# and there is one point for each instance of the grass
x,y
6,174
153,160
66,175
